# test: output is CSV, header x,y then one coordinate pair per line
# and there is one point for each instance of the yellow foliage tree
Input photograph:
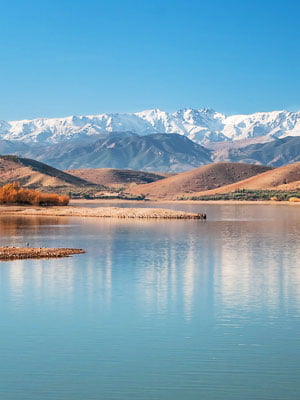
x,y
13,193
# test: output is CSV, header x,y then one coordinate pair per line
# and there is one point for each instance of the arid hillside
x,y
289,186
34,174
281,178
116,177
206,177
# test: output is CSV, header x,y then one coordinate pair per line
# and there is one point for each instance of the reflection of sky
x,y
258,269
154,308
236,266
244,267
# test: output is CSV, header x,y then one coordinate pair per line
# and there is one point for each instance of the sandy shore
x,y
102,212
20,253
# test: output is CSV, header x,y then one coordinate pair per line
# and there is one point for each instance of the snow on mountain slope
x,y
54,130
277,124
198,125
201,126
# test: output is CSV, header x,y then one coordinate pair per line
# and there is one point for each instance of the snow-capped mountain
x,y
201,126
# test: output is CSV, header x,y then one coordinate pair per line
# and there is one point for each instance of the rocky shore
x,y
102,212
20,253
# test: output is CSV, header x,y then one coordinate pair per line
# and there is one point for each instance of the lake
x,y
181,310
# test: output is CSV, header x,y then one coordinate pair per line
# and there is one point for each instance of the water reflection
x,y
161,309
237,266
258,267
16,279
189,280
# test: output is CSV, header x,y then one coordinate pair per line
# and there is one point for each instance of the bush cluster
x,y
247,194
13,193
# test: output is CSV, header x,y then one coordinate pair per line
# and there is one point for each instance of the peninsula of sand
x,y
102,212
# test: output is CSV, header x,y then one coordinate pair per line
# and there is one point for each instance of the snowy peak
x,y
275,124
202,126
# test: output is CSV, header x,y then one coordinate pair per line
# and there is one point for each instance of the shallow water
x,y
154,309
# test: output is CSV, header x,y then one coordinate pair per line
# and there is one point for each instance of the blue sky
x,y
59,58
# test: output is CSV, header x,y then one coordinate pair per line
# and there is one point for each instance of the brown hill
x,y
206,177
281,178
34,174
116,177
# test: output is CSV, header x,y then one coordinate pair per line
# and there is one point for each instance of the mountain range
x,y
158,153
201,126
155,140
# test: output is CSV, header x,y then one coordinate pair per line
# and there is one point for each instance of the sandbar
x,y
102,212
20,253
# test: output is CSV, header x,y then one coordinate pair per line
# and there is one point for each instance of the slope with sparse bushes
x,y
284,178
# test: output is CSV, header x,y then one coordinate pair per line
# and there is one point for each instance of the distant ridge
x,y
113,177
203,178
275,153
159,152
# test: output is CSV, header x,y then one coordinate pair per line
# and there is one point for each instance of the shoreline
x,y
164,201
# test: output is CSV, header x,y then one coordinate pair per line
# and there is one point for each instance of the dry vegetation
x,y
295,199
250,195
13,193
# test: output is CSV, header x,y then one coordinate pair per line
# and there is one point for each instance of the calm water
x,y
154,310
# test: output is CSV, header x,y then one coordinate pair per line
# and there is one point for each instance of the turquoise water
x,y
154,309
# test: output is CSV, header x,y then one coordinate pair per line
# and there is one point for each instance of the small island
x,y
8,253
102,212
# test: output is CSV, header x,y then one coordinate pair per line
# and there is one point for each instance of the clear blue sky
x,y
62,57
